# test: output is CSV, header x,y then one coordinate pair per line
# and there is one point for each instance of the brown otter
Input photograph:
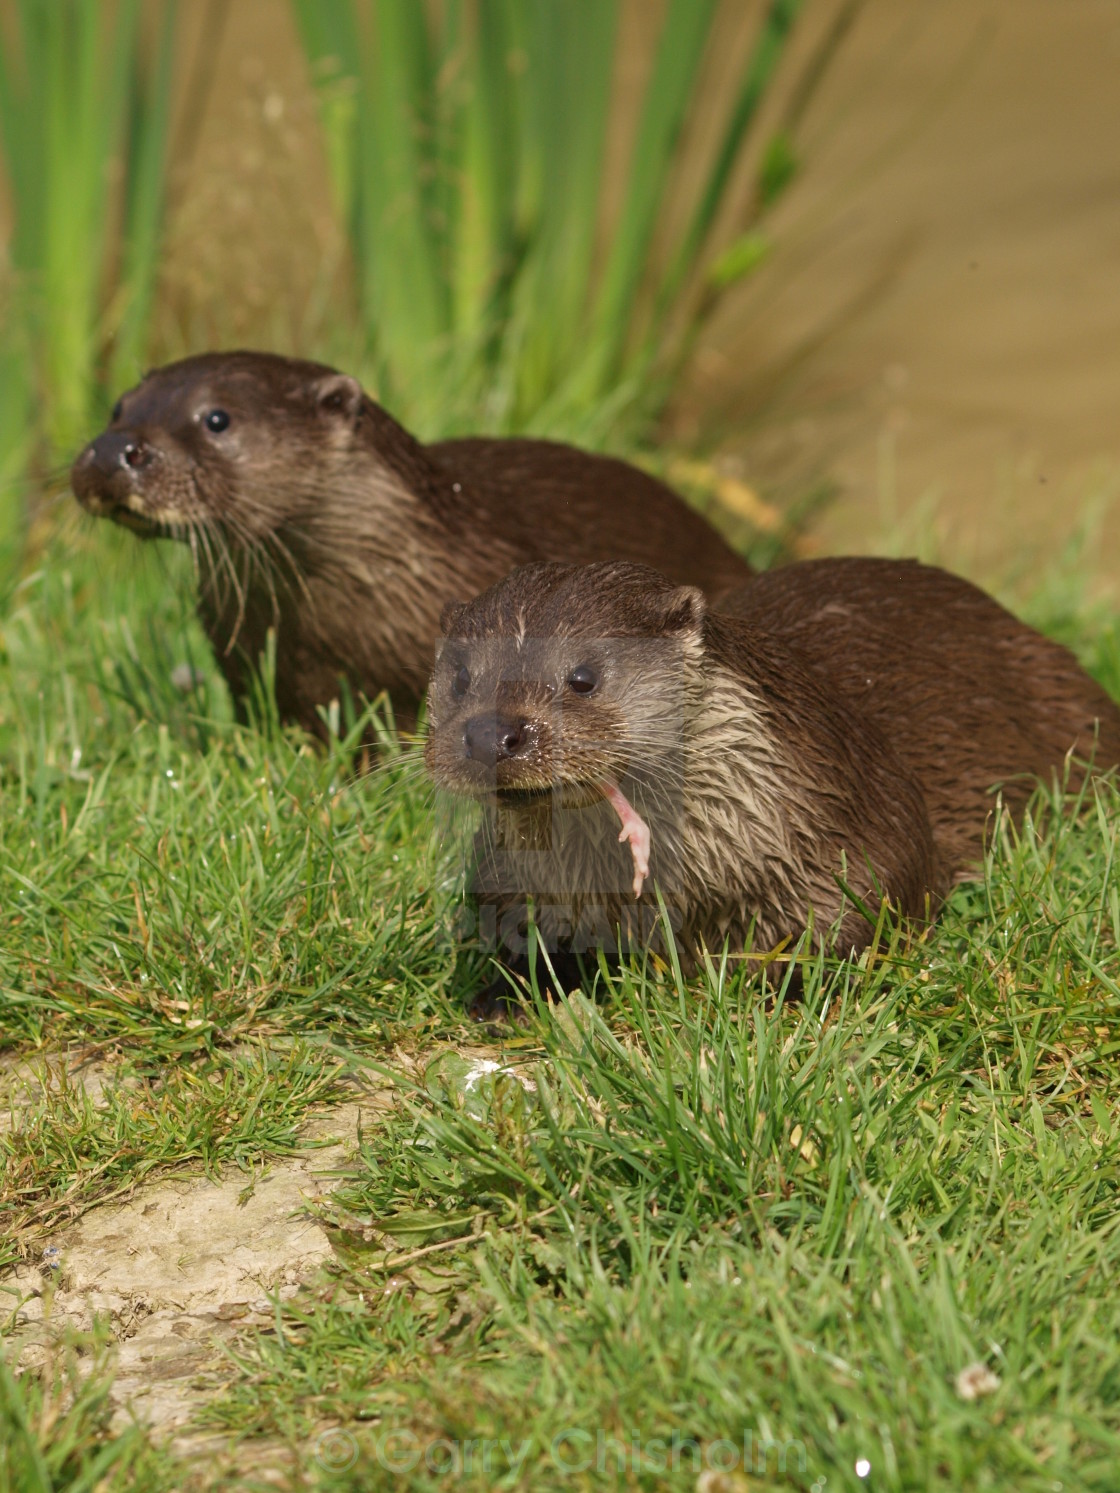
x,y
845,729
574,699
311,511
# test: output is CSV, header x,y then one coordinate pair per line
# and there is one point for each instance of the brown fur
x,y
966,694
315,513
760,785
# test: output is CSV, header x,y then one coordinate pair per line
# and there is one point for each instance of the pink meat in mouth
x,y
634,829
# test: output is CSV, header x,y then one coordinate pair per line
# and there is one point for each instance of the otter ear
x,y
683,610
338,393
449,617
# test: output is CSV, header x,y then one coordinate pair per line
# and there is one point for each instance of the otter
x,y
828,741
617,731
310,510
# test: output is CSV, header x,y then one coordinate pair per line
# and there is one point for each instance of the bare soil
x,y
179,1268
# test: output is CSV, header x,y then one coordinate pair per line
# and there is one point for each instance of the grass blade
x,y
73,101
467,147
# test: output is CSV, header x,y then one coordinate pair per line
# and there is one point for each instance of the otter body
x,y
966,694
837,731
311,511
571,700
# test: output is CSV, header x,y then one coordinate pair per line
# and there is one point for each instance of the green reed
x,y
467,146
84,106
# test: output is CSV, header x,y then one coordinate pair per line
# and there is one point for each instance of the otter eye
x,y
118,410
217,420
583,680
461,682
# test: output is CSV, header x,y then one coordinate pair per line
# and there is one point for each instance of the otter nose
x,y
110,469
491,739
112,451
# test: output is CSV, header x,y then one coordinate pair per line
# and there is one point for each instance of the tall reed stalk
x,y
84,103
467,145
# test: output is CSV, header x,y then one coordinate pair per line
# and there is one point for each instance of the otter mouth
x,y
571,794
634,831
138,523
562,793
516,784
148,525
583,793
519,798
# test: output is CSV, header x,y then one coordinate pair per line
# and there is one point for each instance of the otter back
x,y
967,695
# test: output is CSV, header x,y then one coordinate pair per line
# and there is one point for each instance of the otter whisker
x,y
235,534
220,564
295,569
411,770
192,541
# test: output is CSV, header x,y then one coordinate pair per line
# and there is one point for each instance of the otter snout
x,y
490,739
104,474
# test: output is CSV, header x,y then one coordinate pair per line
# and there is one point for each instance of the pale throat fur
x,y
731,821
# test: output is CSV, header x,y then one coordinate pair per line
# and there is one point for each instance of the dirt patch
x,y
188,1263
182,1266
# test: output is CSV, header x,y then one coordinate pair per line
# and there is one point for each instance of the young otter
x,y
966,694
310,510
572,699
846,726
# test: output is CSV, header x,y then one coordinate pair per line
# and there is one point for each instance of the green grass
x,y
191,896
55,1431
709,1217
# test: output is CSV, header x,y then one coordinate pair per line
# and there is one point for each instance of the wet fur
x,y
760,790
966,694
318,515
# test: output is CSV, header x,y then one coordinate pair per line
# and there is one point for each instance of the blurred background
x,y
846,265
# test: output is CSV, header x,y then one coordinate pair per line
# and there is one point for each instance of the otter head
x,y
562,680
243,441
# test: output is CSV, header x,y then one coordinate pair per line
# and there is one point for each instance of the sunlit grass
x,y
695,1219
674,1211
